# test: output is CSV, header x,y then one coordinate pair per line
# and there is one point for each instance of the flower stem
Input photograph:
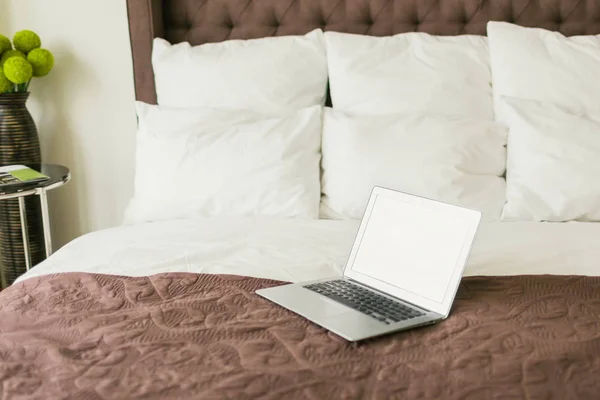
x,y
21,87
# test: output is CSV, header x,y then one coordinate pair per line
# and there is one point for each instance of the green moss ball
x,y
26,41
11,53
5,44
41,60
5,84
18,70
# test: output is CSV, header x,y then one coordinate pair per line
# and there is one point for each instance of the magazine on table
x,y
19,175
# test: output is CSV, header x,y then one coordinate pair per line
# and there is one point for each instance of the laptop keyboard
x,y
366,301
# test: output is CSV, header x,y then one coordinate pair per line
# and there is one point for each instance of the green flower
x,y
5,84
11,53
41,60
18,70
26,41
4,44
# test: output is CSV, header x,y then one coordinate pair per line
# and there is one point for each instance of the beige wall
x,y
84,109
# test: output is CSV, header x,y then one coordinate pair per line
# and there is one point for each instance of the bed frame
x,y
204,21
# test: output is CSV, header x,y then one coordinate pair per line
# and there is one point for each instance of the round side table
x,y
59,175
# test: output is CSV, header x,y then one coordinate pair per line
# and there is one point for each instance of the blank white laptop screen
x,y
414,247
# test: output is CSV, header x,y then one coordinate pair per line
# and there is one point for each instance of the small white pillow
x,y
194,162
536,64
410,72
553,167
274,74
459,161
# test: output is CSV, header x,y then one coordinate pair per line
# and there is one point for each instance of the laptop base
x,y
346,322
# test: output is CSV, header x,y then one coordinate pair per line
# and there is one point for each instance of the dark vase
x,y
19,144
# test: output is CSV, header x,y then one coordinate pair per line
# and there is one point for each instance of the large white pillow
x,y
553,167
459,161
274,74
536,64
410,72
195,162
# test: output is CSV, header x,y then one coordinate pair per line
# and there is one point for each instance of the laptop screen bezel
x,y
472,218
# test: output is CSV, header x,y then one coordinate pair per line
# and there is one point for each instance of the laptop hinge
x,y
386,294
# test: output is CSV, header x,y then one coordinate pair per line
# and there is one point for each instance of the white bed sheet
x,y
297,250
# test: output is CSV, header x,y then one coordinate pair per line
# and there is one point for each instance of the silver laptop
x,y
403,270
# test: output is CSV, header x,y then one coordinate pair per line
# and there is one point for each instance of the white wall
x,y
84,109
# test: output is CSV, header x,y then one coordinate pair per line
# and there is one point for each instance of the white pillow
x,y
410,72
193,162
275,74
459,161
553,167
536,64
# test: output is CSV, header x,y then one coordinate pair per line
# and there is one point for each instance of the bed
x,y
167,309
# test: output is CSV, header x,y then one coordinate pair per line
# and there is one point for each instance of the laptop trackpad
x,y
330,307
304,301
314,305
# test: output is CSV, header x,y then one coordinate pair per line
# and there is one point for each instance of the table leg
x,y
24,232
46,223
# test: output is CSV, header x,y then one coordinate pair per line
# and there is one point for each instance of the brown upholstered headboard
x,y
203,21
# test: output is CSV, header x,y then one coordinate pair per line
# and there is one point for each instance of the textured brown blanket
x,y
185,336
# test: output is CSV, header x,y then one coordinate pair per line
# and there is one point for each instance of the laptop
x,y
403,270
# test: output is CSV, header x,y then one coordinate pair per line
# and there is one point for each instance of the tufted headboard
x,y
203,21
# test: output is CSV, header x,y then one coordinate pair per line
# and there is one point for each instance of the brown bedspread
x,y
185,336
